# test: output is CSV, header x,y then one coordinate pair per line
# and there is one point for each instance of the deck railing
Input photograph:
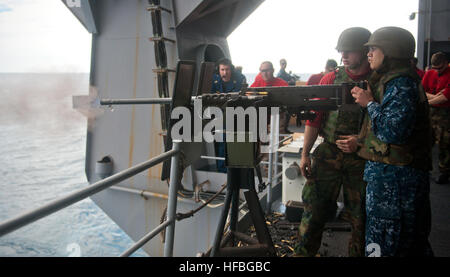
x,y
29,217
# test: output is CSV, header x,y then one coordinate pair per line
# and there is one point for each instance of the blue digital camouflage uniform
x,y
219,86
397,197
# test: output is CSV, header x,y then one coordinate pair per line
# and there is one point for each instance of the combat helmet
x,y
394,41
353,39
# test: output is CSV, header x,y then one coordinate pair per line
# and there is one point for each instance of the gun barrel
x,y
318,97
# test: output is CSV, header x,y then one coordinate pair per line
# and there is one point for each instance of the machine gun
x,y
298,100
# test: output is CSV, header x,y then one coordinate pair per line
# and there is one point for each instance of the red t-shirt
x,y
329,80
275,82
315,79
420,72
433,83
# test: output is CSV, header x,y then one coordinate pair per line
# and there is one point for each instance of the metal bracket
x,y
163,70
153,8
162,39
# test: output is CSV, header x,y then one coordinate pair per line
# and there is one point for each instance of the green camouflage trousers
x,y
332,169
440,120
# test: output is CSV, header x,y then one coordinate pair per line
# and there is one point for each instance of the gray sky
x,y
43,36
306,32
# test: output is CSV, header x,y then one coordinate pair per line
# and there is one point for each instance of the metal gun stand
x,y
263,246
241,160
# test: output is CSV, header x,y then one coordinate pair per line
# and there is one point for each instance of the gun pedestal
x,y
241,160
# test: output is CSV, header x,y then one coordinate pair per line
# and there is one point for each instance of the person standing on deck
x,y
436,83
396,142
314,79
335,163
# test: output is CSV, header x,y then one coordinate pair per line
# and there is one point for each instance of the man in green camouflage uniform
x,y
436,83
335,162
440,119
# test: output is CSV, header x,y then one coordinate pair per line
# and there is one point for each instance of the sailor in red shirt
x,y
266,79
315,78
436,83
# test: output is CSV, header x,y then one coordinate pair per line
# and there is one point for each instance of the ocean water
x,y
42,151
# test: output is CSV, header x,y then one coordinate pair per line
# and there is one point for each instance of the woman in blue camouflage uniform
x,y
396,142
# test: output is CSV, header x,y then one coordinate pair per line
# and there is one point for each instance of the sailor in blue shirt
x,y
225,80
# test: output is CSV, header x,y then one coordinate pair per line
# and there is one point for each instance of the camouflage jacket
x,y
396,129
341,122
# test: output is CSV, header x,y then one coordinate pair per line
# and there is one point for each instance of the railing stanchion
x,y
273,157
172,202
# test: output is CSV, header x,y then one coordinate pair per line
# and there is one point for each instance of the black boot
x,y
443,179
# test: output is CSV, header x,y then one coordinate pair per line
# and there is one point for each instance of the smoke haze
x,y
42,100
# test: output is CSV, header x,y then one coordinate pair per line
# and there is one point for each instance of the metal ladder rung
x,y
163,70
158,8
163,133
162,39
